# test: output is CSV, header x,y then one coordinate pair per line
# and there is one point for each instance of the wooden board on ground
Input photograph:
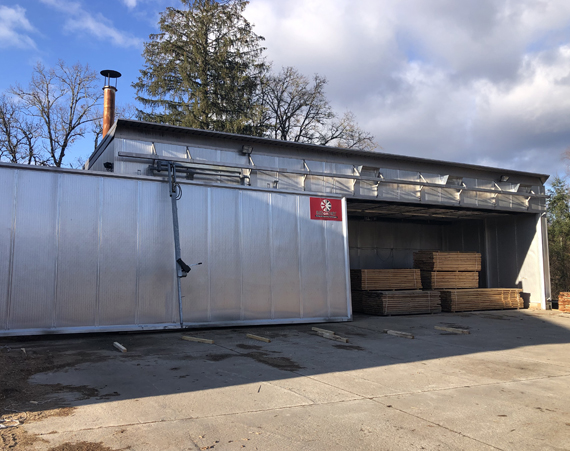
x,y
564,302
398,333
447,261
385,303
481,299
197,340
454,330
385,279
432,280
258,338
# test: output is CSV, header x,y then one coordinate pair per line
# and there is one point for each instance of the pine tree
x,y
203,69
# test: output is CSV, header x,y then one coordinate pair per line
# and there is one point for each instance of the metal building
x,y
276,225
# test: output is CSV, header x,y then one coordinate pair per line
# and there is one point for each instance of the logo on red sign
x,y
326,209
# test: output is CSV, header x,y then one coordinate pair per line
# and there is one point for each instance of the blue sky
x,y
475,81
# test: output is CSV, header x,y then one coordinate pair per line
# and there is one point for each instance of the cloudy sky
x,y
475,81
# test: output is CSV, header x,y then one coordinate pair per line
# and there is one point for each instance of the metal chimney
x,y
109,99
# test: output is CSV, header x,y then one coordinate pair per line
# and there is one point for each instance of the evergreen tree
x,y
559,236
203,69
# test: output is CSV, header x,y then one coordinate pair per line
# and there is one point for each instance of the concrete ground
x,y
504,386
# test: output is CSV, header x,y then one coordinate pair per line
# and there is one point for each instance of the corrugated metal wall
x,y
82,252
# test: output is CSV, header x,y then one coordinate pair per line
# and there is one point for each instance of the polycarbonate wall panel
x,y
285,283
195,238
7,216
95,252
156,276
32,300
225,268
78,251
256,255
336,258
315,288
118,252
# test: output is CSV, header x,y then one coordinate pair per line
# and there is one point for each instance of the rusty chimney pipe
x,y
109,99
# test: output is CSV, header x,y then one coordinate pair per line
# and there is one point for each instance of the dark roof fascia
x,y
128,123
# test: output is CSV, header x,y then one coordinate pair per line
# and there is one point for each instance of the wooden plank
x,y
398,333
257,337
119,346
197,340
333,337
453,329
325,331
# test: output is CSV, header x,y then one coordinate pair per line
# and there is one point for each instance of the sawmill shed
x,y
272,227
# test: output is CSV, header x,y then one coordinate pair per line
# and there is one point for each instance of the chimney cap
x,y
107,73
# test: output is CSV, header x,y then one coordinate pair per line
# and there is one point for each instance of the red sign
x,y
326,209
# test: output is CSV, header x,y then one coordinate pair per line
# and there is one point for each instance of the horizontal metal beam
x,y
139,156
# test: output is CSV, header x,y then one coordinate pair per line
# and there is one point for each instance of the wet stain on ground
x,y
219,357
281,363
250,347
349,347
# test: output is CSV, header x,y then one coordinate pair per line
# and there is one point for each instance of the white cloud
x,y
479,81
130,3
14,28
81,21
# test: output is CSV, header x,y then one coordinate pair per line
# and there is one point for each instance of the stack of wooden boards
x,y
400,302
448,269
564,302
385,279
453,274
371,292
481,299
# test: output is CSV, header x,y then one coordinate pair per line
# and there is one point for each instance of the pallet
x,y
564,302
481,299
385,279
447,261
441,279
385,303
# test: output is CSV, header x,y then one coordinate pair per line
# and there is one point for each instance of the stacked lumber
x,y
400,302
385,279
481,299
447,261
564,302
442,279
357,301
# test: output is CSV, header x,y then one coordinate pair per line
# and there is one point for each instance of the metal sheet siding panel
x,y
35,248
157,290
118,251
7,223
193,213
285,284
78,249
225,297
256,255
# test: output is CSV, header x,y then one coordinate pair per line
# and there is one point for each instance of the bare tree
x,y
296,109
346,133
18,135
60,101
